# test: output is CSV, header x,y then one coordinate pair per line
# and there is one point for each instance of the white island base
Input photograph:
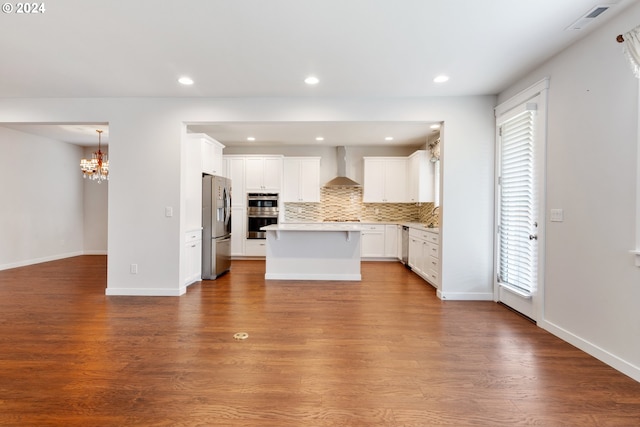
x,y
313,252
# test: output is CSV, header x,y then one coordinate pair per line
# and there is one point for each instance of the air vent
x,y
588,18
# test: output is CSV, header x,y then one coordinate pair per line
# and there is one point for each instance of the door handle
x,y
533,237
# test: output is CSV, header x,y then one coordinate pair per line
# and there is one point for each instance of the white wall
x,y
144,154
41,192
592,287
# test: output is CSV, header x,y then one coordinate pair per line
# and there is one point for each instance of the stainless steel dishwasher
x,y
405,246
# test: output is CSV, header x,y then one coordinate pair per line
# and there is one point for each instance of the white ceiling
x,y
305,133
260,48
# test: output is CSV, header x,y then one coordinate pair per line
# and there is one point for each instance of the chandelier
x,y
96,169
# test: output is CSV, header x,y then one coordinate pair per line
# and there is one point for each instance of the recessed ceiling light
x,y
311,80
388,138
187,81
436,126
251,138
319,138
441,78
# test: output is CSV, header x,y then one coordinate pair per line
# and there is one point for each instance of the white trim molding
x,y
636,251
465,296
592,349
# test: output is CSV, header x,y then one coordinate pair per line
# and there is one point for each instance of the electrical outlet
x,y
133,269
557,215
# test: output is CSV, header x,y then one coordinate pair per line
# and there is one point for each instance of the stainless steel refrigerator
x,y
216,226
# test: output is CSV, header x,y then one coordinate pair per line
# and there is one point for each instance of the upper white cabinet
x,y
301,182
263,173
210,154
385,180
420,178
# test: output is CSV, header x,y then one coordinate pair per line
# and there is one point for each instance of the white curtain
x,y
631,49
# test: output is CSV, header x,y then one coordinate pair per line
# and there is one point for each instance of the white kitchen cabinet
x,y
432,263
420,178
238,230
234,167
192,270
192,183
391,241
301,180
263,173
255,247
211,154
385,180
424,255
234,170
372,243
415,253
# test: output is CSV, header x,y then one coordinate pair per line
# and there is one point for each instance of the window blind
x,y
517,252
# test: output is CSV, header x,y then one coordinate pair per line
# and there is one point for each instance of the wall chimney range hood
x,y
342,180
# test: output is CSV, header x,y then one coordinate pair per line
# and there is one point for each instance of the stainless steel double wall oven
x,y
262,210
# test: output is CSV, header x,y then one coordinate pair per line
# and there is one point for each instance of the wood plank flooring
x,y
381,352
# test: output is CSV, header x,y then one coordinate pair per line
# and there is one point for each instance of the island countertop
x,y
314,226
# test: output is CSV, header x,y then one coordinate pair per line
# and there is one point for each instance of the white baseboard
x,y
33,261
145,292
592,349
465,296
95,252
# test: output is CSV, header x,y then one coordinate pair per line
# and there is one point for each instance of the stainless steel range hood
x,y
342,180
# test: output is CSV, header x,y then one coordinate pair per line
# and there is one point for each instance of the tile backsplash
x,y
345,203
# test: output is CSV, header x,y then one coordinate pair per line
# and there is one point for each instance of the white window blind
x,y
517,252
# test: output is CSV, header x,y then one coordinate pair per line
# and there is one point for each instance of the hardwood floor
x,y
381,352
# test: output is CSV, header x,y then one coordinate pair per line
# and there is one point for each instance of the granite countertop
x,y
421,226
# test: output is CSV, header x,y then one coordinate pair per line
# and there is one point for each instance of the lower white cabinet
x,y
192,257
415,253
381,241
391,241
424,255
255,247
372,241
432,267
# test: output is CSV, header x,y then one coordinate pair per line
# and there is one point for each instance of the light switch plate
x,y
168,211
557,215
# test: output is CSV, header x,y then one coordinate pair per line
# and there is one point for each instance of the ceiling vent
x,y
588,18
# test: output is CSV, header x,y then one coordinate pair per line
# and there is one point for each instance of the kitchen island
x,y
313,251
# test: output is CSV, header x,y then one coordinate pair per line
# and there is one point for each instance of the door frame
x,y
510,298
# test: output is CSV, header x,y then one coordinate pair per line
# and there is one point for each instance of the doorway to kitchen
x,y
519,234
